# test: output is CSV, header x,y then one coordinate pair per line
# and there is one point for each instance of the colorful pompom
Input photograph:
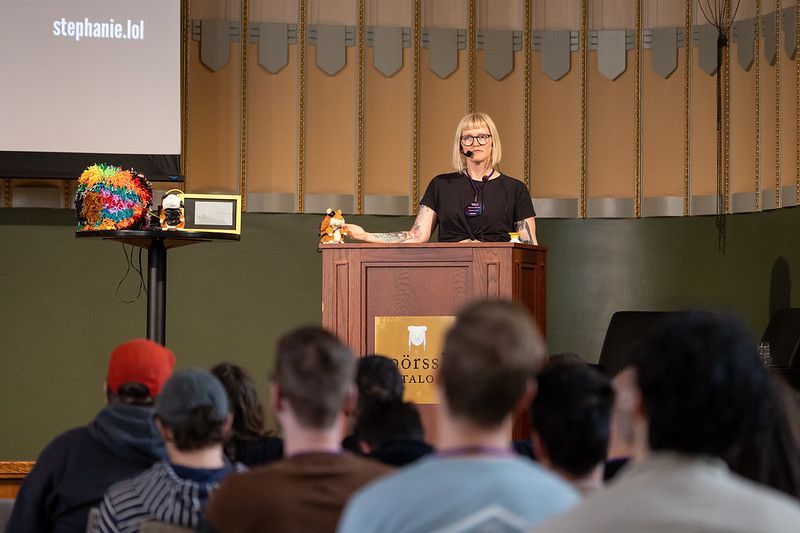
x,y
109,198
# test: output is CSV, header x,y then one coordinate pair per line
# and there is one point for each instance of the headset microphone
x,y
468,153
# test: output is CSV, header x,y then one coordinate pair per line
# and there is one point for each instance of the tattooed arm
x,y
419,232
527,230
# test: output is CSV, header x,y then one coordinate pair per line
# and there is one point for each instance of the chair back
x,y
783,336
625,331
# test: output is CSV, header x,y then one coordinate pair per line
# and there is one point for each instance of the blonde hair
x,y
472,121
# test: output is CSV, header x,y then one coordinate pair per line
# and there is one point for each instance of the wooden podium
x,y
362,281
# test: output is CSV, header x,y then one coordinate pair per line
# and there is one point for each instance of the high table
x,y
157,242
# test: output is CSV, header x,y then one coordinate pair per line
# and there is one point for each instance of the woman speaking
x,y
475,203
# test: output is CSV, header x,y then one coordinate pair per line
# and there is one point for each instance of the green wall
x,y
60,317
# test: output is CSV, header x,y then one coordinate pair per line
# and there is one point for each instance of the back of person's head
x,y
772,455
571,414
314,372
490,358
384,420
562,358
703,386
193,407
377,378
137,370
246,407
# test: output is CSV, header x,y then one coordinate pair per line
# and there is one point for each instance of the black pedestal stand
x,y
157,243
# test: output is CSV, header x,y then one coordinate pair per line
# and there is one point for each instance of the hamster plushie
x,y
171,216
331,228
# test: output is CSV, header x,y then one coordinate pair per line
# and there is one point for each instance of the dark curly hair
x,y
248,412
703,386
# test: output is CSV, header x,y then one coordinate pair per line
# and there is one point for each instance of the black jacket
x,y
75,470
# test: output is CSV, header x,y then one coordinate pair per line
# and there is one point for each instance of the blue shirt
x,y
464,493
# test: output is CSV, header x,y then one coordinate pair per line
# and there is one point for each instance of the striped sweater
x,y
158,493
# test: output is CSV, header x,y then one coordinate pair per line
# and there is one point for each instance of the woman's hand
x,y
354,231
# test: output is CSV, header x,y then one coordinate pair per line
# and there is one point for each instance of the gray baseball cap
x,y
187,390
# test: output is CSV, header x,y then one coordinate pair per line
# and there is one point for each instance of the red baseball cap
x,y
140,361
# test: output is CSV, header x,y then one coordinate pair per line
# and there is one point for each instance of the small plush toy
x,y
331,228
171,216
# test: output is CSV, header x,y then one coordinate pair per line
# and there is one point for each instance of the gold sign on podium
x,y
415,345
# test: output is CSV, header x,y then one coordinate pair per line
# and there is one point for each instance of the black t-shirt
x,y
505,201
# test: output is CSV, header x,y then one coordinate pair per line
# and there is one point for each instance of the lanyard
x,y
475,208
478,188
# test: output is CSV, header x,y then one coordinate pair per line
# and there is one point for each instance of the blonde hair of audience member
x,y
475,121
488,369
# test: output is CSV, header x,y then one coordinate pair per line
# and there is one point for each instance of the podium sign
x,y
415,345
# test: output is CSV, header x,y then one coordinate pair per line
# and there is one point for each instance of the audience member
x,y
624,445
391,432
703,391
570,417
312,391
487,371
250,444
524,447
193,417
772,456
75,470
565,358
377,378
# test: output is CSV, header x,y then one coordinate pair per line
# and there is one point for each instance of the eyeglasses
x,y
482,139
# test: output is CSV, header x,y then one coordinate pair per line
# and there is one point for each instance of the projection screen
x,y
89,81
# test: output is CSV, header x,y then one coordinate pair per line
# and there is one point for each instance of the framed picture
x,y
216,213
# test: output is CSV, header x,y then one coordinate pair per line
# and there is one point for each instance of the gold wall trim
x,y
637,151
301,102
687,78
471,31
415,113
584,45
797,105
360,92
777,103
527,116
726,175
7,192
65,183
185,40
245,24
757,61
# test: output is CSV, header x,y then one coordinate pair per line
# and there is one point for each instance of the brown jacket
x,y
306,492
